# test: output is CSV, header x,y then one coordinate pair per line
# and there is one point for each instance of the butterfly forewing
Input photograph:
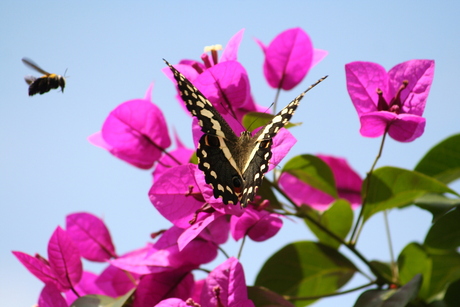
x,y
233,166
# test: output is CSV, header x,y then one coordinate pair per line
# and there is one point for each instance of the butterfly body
x,y
234,166
44,83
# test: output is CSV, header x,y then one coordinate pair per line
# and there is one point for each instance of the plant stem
x,y
394,268
315,297
241,247
359,223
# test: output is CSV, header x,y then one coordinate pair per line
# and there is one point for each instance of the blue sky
x,y
113,52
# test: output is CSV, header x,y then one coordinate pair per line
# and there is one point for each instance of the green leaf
x,y
415,260
262,297
395,187
383,268
305,269
194,158
442,161
102,300
446,269
391,298
452,296
253,120
266,192
437,204
314,172
338,218
438,267
445,232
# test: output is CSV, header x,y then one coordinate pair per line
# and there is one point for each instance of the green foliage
x,y
445,232
252,120
102,300
313,171
392,187
338,219
305,269
442,161
263,297
392,297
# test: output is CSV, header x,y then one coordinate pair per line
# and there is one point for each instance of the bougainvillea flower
x,y
91,236
51,297
176,195
179,156
153,288
165,255
135,132
225,85
257,225
348,184
63,269
115,282
226,286
86,286
390,102
288,58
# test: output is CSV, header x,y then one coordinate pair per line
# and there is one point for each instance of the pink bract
x,y
390,102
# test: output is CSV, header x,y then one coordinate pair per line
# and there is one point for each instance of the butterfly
x,y
44,83
233,166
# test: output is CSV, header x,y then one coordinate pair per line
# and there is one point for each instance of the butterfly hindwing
x,y
224,178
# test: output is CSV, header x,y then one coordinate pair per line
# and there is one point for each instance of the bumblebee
x,y
44,83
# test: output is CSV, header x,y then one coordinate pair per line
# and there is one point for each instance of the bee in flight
x,y
44,83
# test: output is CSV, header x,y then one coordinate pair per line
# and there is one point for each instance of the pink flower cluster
x,y
136,132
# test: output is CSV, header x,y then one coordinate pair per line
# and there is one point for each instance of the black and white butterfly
x,y
233,166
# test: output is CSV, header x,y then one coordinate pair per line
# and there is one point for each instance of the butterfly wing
x,y
215,153
257,163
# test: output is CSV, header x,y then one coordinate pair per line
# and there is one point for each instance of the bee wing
x,y
30,79
33,65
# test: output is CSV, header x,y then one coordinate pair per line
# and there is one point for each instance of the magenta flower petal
x,y
318,56
258,225
97,140
402,127
137,133
64,259
194,254
288,58
134,262
282,144
217,231
420,74
180,156
230,52
51,297
225,85
390,102
407,128
171,284
348,184
363,79
374,124
176,196
226,286
91,236
38,268
194,230
348,181
115,282
172,302
86,286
